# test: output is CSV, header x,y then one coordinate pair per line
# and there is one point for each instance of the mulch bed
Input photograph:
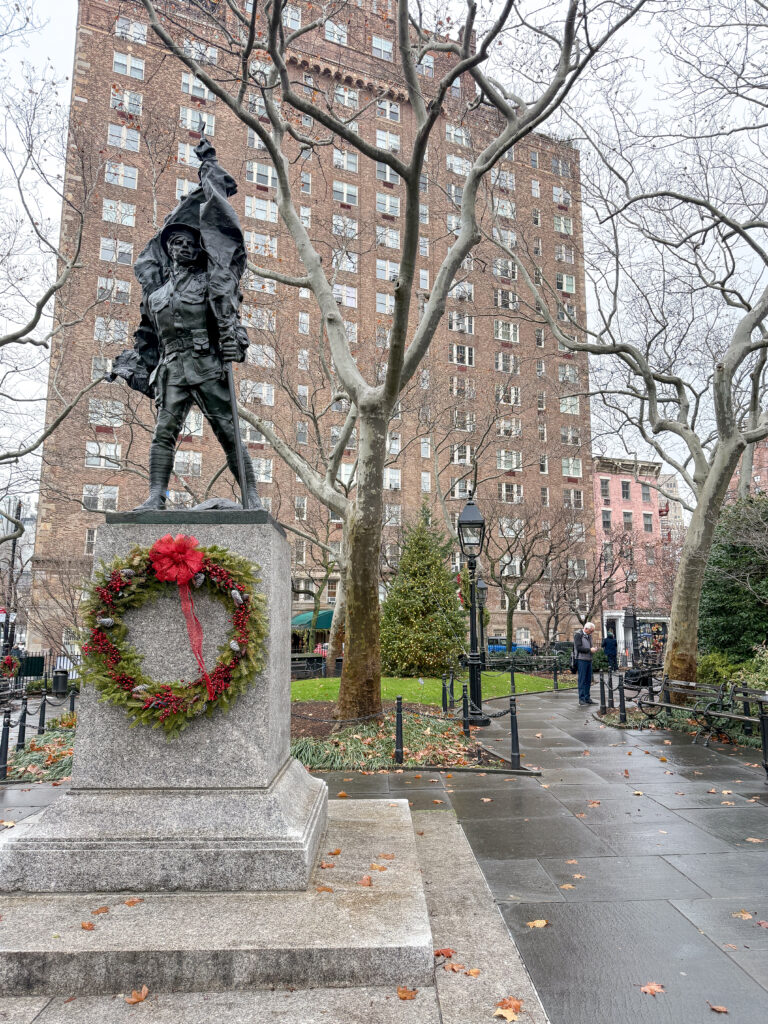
x,y
323,709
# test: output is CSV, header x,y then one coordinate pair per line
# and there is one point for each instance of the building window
x,y
564,253
135,31
392,478
100,497
121,174
90,541
569,405
190,118
385,303
300,507
388,140
345,226
110,331
344,160
573,497
345,193
102,455
116,212
127,102
427,66
187,463
263,470
112,250
186,156
302,396
193,424
605,490
544,463
113,290
258,318
388,237
627,516
261,174
625,496
257,391
645,491
336,33
125,64
261,209
647,522
100,367
183,187
426,447
426,482
565,283
606,517
534,159
388,109
302,432
261,355
392,515
381,47
571,466
509,460
291,17
545,497
507,362
347,295
562,167
564,225
303,323
510,493
260,244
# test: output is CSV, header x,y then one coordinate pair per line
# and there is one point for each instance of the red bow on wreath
x,y
178,560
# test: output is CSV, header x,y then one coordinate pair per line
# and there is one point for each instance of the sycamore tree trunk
x,y
336,635
360,688
682,645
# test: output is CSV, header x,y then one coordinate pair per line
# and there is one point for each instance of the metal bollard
x,y
72,695
41,717
4,745
601,710
611,703
465,709
554,674
445,693
399,731
512,678
453,698
622,702
21,737
514,740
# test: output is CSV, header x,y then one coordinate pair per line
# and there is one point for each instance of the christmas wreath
x,y
9,666
114,667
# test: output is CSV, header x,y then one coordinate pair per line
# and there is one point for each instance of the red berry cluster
x,y
124,681
241,622
220,577
167,701
101,644
111,589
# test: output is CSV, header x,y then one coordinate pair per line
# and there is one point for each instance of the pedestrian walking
x,y
611,649
582,652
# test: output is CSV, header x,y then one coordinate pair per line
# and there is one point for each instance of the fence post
x,y
465,709
72,695
665,697
21,737
514,740
622,702
611,703
763,735
445,693
453,697
512,688
399,731
41,717
747,726
555,668
4,745
602,708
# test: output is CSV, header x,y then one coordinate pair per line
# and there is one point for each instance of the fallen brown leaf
x,y
579,876
538,923
100,910
762,924
571,862
327,864
406,993
486,799
456,968
87,926
437,801
751,839
137,997
323,888
133,901
711,790
593,803
473,972
509,1008
653,988
334,853
727,803
717,1009
377,867
365,880
742,914
447,952
385,856
637,792
568,885
580,814
342,795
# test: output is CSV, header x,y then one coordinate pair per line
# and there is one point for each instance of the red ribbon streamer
x,y
176,560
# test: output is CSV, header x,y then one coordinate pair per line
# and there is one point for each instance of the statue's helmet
x,y
176,227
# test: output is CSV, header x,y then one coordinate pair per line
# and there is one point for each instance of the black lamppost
x,y
482,597
471,531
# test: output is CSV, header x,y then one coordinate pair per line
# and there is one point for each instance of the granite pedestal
x,y
223,807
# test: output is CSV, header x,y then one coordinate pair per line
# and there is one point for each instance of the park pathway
x,y
646,856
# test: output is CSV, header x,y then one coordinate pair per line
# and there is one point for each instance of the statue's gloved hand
x,y
129,367
233,343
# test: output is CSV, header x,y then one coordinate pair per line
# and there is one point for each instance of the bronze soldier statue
x,y
190,331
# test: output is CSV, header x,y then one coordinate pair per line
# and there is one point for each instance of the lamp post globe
x,y
471,532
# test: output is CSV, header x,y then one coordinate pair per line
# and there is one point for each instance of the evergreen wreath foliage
x,y
115,669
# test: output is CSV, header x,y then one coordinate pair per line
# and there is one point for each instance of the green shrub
x,y
716,668
600,661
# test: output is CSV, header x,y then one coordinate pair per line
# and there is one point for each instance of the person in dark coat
x,y
611,649
583,651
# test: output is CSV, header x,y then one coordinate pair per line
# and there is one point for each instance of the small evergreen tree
x,y
733,617
423,627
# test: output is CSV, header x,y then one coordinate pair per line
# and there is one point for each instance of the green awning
x,y
304,621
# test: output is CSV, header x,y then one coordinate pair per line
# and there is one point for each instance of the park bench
x,y
695,697
737,706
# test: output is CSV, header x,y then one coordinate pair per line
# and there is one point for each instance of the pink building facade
x,y
635,557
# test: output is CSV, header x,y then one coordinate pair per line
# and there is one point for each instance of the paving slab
x,y
618,878
611,949
536,837
517,804
735,825
740,874
616,808
715,918
22,1010
39,795
754,962
657,837
520,879
688,794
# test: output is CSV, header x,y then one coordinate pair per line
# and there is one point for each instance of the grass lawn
x,y
495,684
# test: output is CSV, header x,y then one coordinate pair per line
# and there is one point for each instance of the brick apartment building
x,y
496,388
632,515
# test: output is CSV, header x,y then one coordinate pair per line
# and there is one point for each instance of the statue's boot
x,y
160,466
254,501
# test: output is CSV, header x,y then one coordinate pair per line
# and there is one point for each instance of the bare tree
x,y
255,74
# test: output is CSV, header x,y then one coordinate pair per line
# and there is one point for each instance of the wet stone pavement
x,y
642,873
